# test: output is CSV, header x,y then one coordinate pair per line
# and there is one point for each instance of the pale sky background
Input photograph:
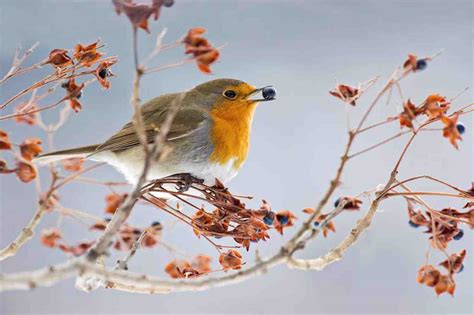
x,y
302,48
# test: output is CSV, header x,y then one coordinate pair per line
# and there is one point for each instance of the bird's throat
x,y
230,132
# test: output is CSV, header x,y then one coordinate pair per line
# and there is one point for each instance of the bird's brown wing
x,y
154,113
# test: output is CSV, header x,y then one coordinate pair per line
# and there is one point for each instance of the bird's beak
x,y
264,94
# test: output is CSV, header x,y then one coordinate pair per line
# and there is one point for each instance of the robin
x,y
209,136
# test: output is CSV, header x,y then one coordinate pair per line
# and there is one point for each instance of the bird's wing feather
x,y
186,121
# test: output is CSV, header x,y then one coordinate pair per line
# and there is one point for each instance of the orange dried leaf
x,y
196,45
30,148
73,164
454,263
74,92
408,115
450,130
284,219
232,259
113,201
435,106
102,73
25,171
50,237
59,58
4,141
202,263
138,14
76,250
346,93
88,54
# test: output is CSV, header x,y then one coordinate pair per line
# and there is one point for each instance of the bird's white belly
x,y
130,164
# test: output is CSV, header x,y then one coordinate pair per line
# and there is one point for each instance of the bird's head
x,y
233,97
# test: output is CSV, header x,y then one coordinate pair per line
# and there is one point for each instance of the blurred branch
x,y
18,61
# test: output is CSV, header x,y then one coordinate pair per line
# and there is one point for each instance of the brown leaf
x,y
408,115
283,219
30,148
445,284
76,250
4,141
102,73
59,58
435,106
350,203
25,171
73,164
450,130
50,237
88,54
74,92
346,93
454,263
113,201
428,275
138,14
232,259
328,227
181,269
198,46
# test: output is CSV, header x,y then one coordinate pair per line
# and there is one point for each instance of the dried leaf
x,y
59,58
203,52
346,93
113,201
232,259
283,220
74,92
50,237
454,263
76,250
30,148
450,131
25,171
102,73
73,164
88,54
4,141
138,14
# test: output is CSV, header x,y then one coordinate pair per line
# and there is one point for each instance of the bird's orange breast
x,y
230,132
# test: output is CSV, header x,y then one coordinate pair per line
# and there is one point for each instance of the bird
x,y
208,138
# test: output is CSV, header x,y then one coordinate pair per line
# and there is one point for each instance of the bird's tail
x,y
81,152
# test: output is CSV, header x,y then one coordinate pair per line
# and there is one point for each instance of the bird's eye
x,y
230,94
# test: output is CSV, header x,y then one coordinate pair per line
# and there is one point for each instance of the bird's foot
x,y
186,181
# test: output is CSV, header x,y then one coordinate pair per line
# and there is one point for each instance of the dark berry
x,y
104,73
421,64
137,231
458,236
268,219
336,203
65,85
412,224
107,219
461,269
156,223
269,92
282,219
316,223
460,127
79,95
168,3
